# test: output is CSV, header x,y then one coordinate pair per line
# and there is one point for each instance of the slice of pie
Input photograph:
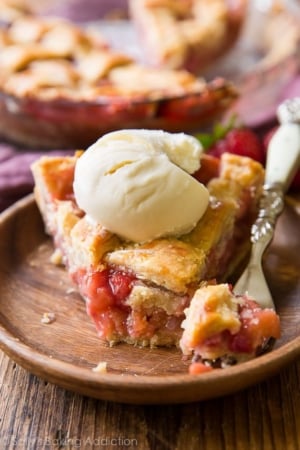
x,y
187,34
222,329
137,292
63,86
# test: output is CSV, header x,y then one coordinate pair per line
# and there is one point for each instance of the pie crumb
x,y
70,291
101,367
48,317
56,257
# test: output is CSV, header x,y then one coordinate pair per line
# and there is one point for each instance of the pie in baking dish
x,y
63,86
137,292
187,33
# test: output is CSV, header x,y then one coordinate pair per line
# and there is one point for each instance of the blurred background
x,y
76,10
264,65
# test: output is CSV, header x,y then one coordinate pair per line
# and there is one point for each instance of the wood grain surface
x,y
39,415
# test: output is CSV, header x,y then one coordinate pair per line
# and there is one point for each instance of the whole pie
x,y
63,86
187,34
137,292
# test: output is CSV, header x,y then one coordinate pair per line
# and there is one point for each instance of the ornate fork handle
x,y
280,169
270,207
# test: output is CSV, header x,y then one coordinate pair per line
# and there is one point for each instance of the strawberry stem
x,y
218,132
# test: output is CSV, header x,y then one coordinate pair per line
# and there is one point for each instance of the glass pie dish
x,y
63,86
264,64
58,110
63,123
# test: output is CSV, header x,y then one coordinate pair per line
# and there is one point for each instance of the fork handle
x,y
270,207
283,157
283,160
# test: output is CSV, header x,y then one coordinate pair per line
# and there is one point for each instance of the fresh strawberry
x,y
239,141
233,138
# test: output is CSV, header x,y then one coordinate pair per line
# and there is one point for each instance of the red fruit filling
x,y
257,326
106,293
210,168
197,368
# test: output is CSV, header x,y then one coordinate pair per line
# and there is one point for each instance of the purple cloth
x,y
16,178
88,10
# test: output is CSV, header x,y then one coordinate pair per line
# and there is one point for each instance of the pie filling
x,y
106,295
257,325
222,329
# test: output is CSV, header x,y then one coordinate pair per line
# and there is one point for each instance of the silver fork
x,y
283,160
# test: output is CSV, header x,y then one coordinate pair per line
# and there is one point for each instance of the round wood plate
x,y
65,351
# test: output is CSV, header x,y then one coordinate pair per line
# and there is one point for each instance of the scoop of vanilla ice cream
x,y
182,149
136,183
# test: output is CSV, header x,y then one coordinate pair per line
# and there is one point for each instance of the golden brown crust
x,y
169,263
53,179
51,58
174,264
179,30
90,242
213,309
243,171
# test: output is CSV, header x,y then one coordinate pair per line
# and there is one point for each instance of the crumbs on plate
x,y
56,257
101,367
47,318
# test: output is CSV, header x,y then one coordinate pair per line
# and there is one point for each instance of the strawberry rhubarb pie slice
x,y
141,219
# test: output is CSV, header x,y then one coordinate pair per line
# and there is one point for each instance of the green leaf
x,y
206,139
219,131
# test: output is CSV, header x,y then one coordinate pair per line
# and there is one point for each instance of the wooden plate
x,y
65,351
